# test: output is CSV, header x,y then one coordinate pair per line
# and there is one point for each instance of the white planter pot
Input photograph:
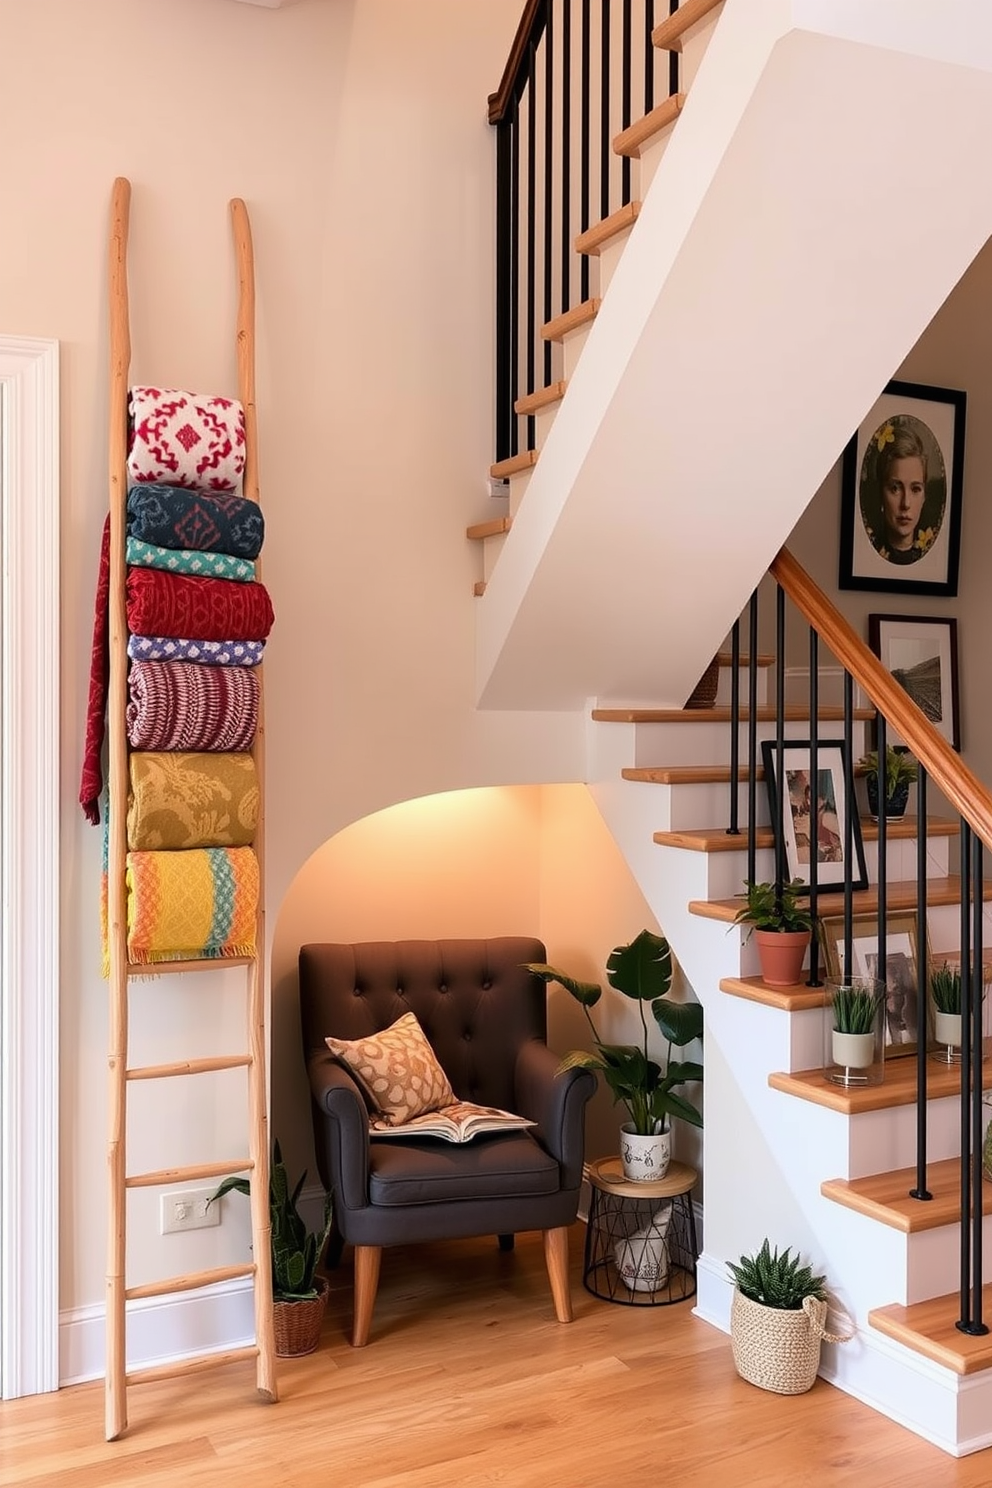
x,y
947,1028
853,1050
645,1159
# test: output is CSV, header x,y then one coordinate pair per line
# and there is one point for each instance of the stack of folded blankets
x,y
197,620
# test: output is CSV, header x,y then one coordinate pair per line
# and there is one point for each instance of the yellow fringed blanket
x,y
187,906
181,800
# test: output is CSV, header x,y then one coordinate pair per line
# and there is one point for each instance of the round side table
x,y
641,1237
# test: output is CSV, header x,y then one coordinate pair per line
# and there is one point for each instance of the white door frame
x,y
29,865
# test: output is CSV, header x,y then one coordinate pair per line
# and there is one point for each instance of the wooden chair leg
x,y
367,1258
556,1260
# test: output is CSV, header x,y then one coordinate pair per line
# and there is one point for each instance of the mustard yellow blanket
x,y
203,799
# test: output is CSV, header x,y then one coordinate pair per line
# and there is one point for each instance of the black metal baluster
x,y
505,313
625,86
921,1191
735,722
648,56
814,803
780,788
566,157
752,737
965,1320
531,232
604,113
848,966
549,182
515,276
585,153
975,1082
881,968
673,57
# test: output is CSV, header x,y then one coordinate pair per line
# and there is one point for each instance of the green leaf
x,y
680,1022
641,970
588,993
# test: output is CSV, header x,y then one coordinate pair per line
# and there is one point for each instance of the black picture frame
x,y
927,424
921,653
831,764
903,965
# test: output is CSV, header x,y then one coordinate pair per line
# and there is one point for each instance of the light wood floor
x,y
469,1381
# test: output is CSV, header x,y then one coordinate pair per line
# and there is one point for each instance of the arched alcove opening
x,y
491,861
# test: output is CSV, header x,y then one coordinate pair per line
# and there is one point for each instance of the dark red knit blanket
x,y
160,603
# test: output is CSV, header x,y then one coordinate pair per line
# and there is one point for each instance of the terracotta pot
x,y
781,954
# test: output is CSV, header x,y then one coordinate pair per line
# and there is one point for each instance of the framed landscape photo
x,y
901,493
902,969
815,815
921,652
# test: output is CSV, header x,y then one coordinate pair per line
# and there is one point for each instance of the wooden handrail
x,y
499,101
945,767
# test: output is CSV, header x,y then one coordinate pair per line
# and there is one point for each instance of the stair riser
x,y
702,742
673,808
726,870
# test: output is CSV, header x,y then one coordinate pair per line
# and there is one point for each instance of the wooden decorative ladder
x,y
121,971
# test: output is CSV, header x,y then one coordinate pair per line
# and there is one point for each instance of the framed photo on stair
x,y
902,970
815,815
901,493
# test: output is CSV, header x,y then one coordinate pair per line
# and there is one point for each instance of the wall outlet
x,y
188,1211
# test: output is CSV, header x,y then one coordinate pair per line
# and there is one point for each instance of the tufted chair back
x,y
473,999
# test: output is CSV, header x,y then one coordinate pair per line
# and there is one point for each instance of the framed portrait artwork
x,y
921,652
815,815
902,967
901,493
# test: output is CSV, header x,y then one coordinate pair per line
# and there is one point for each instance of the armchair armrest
x,y
343,1129
557,1103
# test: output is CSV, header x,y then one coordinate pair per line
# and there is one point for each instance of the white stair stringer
x,y
726,332
767,1153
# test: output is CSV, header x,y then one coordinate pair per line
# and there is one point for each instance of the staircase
x,y
811,1165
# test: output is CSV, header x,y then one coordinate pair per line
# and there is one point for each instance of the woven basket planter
x,y
775,1349
297,1324
703,695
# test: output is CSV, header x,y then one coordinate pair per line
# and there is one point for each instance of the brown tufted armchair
x,y
486,1019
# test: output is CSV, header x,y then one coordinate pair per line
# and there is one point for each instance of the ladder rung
x,y
181,1175
189,1067
188,1283
190,1366
206,963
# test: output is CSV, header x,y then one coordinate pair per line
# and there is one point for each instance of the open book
x,y
456,1123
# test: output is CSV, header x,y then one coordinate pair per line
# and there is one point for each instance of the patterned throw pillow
x,y
397,1069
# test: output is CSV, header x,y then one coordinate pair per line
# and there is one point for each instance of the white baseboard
x,y
160,1330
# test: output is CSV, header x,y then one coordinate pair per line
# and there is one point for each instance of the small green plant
x,y
777,1280
900,768
945,989
642,971
295,1249
854,1009
771,909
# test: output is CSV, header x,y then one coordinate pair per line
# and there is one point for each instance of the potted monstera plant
x,y
299,1295
646,1087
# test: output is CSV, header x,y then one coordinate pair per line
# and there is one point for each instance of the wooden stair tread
x,y
885,1196
542,397
764,659
513,465
571,320
493,528
717,839
897,1089
668,35
592,240
789,999
768,713
686,774
901,894
929,1329
631,141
